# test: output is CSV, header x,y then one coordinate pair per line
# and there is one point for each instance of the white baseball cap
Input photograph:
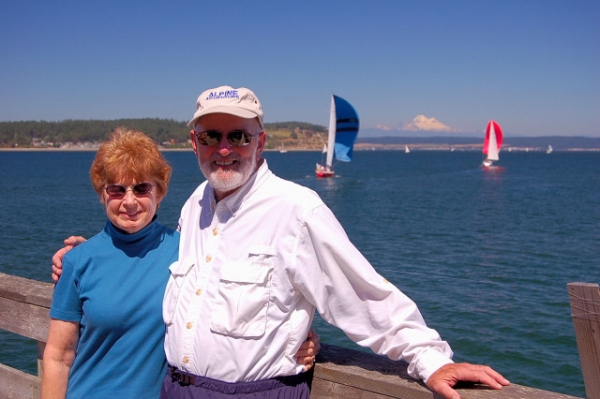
x,y
240,102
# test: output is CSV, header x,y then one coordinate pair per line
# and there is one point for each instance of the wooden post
x,y
41,346
585,310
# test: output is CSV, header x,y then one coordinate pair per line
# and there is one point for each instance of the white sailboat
x,y
343,129
492,143
549,150
406,149
282,149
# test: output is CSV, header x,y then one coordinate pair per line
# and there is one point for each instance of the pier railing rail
x,y
339,372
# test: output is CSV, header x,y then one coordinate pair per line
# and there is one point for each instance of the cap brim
x,y
242,113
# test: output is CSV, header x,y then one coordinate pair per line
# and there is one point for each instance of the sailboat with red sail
x,y
492,143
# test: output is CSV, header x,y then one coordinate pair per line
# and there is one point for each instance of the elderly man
x,y
258,254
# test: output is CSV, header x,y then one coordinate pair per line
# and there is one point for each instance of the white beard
x,y
226,181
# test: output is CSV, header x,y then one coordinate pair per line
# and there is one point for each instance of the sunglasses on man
x,y
237,138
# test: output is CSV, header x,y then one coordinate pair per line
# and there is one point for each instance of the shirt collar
x,y
234,201
119,237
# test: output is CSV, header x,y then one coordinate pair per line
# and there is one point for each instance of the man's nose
x,y
225,147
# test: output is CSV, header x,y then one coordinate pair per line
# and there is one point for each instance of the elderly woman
x,y
106,337
106,331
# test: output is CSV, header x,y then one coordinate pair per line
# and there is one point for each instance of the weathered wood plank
x,y
28,320
26,291
350,374
367,372
24,306
585,310
322,389
15,384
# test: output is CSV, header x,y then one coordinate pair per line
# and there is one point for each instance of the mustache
x,y
220,158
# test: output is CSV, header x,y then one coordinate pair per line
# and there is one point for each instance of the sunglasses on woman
x,y
237,138
118,191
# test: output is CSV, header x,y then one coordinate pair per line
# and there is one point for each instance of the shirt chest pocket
x,y
180,271
242,303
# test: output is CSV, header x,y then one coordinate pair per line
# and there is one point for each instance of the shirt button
x,y
208,258
215,232
198,292
186,359
189,325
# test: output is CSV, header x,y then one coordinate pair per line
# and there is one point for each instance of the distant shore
x,y
93,149
383,143
90,149
415,147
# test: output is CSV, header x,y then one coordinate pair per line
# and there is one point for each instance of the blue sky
x,y
443,67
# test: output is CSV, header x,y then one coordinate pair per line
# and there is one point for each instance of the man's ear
x,y
193,139
262,141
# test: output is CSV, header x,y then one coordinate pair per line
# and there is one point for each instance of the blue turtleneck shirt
x,y
113,286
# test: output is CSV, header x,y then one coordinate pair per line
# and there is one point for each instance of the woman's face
x,y
133,210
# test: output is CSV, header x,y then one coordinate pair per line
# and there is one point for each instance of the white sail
x,y
331,136
492,153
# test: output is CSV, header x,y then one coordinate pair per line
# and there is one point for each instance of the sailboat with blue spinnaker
x,y
343,130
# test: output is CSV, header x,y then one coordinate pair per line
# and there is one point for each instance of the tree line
x,y
163,131
55,134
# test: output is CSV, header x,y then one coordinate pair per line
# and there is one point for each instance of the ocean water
x,y
486,254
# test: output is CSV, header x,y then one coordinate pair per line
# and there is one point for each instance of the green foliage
x,y
24,134
163,131
292,126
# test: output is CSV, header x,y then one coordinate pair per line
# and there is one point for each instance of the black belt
x,y
181,376
186,378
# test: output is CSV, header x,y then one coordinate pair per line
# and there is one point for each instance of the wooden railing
x,y
24,306
339,372
585,310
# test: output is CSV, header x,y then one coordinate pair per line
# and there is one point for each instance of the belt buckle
x,y
182,378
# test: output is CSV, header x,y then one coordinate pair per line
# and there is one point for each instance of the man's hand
x,y
57,258
309,350
447,376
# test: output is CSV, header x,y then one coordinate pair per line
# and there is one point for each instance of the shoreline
x,y
93,149
414,147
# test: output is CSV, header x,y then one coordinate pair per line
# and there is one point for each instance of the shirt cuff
x,y
429,362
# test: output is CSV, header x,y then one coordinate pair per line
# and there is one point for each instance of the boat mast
x,y
331,136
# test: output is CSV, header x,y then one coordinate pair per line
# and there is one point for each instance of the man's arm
x,y
383,317
57,258
449,375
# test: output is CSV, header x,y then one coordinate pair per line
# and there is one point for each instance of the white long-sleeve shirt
x,y
252,270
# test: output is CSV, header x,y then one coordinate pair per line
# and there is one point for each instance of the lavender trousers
x,y
181,385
